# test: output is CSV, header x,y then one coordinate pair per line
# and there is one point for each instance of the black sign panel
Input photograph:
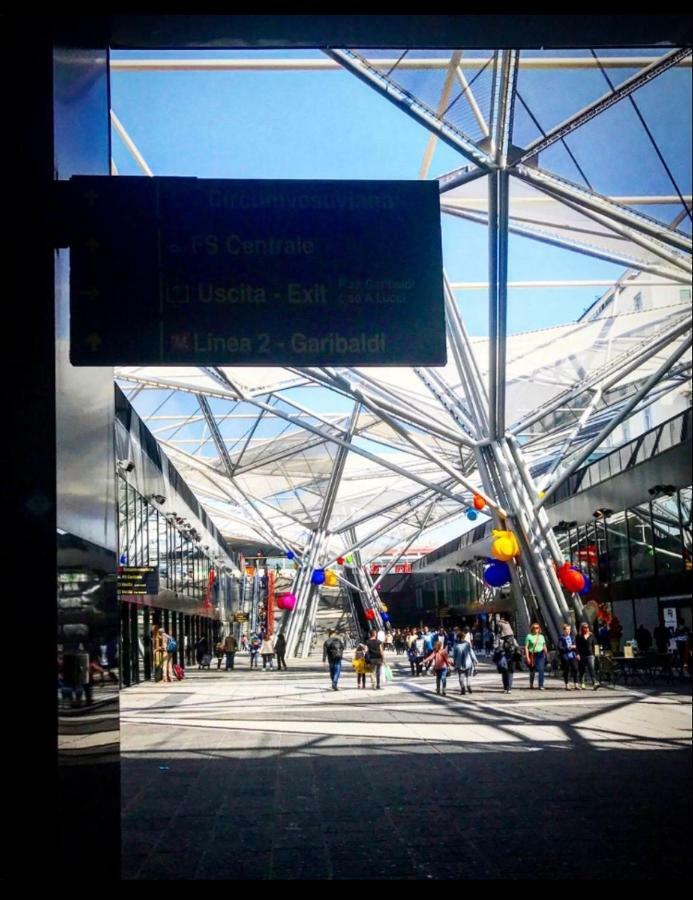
x,y
138,580
186,271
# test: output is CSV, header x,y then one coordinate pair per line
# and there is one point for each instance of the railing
x,y
658,439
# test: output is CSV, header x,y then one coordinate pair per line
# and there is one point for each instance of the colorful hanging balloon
x,y
286,601
290,554
571,579
383,607
318,576
340,560
370,614
497,574
471,514
479,502
331,579
350,560
384,616
504,546
588,586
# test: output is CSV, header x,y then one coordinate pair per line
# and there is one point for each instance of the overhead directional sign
x,y
189,271
138,580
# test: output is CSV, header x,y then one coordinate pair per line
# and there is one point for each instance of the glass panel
x,y
685,506
618,548
602,565
667,534
641,546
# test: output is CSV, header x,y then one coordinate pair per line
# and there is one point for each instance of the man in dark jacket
x,y
332,651
280,650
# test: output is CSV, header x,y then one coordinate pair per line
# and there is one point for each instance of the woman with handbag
x,y
535,655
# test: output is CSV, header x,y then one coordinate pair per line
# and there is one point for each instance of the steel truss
x,y
472,449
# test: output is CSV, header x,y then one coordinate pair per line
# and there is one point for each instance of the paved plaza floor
x,y
273,776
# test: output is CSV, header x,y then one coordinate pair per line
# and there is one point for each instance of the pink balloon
x,y
286,601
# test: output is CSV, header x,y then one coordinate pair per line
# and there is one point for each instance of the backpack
x,y
334,649
171,646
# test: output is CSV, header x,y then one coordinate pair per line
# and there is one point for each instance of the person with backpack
x,y
332,652
569,661
505,656
170,646
465,662
441,663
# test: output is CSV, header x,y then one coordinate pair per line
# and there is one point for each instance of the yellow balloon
x,y
330,578
504,545
383,607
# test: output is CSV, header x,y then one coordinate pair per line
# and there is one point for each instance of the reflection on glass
x,y
619,563
668,545
641,544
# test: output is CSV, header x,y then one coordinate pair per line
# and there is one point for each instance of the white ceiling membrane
x,y
535,214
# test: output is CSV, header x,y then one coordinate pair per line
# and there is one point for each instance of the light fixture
x,y
125,465
602,513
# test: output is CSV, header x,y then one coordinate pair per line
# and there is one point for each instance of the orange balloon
x,y
479,502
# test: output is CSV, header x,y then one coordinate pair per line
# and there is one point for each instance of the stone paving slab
x,y
251,776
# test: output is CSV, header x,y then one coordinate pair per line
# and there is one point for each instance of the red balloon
x,y
571,579
340,560
370,614
479,502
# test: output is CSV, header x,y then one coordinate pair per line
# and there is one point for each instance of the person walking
x,y
267,652
504,657
569,661
230,648
280,650
332,652
219,652
535,655
169,647
585,649
441,663
465,662
254,649
201,651
360,667
374,656
158,652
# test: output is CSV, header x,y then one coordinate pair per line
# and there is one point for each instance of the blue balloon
x,y
588,585
472,514
497,574
290,554
385,617
318,576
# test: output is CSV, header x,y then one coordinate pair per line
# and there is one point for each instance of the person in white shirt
x,y
267,652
